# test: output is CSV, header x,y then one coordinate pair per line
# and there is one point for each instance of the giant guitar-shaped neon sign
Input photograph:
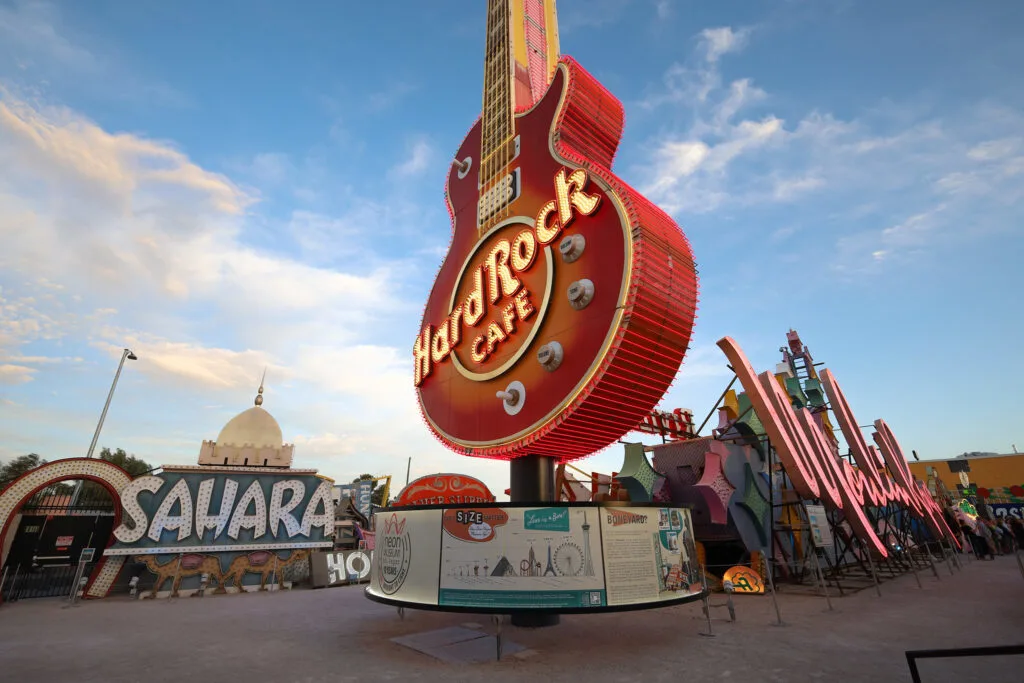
x,y
563,309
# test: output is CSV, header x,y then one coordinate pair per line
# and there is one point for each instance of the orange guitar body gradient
x,y
619,304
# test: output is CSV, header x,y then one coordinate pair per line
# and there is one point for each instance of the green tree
x,y
136,467
129,463
377,496
10,471
25,463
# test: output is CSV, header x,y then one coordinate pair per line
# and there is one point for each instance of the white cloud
x,y
784,233
15,374
787,189
716,42
689,175
912,231
742,93
87,207
116,240
192,364
271,168
420,155
734,152
866,252
390,96
55,141
991,150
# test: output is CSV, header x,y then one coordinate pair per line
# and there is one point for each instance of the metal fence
x,y
20,583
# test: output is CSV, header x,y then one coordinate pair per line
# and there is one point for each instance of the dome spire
x,y
259,393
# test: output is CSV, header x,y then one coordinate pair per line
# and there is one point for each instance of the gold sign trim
x,y
541,312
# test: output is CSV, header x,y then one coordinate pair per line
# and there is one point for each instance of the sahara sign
x,y
813,463
192,510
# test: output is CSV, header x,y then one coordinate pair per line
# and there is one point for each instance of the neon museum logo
x,y
812,460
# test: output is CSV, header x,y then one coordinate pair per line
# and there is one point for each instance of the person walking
x,y
976,542
1018,531
1009,541
981,528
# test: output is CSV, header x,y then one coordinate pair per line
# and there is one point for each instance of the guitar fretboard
x,y
498,129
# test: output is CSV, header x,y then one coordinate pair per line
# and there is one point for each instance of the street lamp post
x,y
127,355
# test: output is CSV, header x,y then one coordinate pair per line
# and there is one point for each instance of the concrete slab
x,y
481,650
457,645
437,638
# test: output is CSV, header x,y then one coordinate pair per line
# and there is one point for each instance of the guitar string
x,y
497,134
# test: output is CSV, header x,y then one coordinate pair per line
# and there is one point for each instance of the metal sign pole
x,y
11,596
497,619
871,564
946,552
935,569
174,582
706,602
73,598
913,567
771,585
955,555
728,587
821,577
84,558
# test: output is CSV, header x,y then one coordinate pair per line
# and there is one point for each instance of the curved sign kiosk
x,y
518,558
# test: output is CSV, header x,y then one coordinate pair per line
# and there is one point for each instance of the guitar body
x,y
583,336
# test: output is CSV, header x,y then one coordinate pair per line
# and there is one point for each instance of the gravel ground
x,y
336,634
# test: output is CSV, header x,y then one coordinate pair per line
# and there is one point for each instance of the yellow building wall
x,y
997,474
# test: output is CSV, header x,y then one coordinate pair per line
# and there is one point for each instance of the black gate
x,y
54,529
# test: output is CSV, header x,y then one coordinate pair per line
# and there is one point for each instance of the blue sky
x,y
224,186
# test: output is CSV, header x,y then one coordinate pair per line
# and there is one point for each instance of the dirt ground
x,y
336,634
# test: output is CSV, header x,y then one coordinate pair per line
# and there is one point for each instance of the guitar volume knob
x,y
581,293
550,356
572,247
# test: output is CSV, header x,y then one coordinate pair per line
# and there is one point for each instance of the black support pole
x,y
532,480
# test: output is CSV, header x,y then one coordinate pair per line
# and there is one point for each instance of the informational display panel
x,y
821,534
649,555
521,558
406,556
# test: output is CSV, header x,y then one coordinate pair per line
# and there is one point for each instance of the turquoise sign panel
x,y
546,519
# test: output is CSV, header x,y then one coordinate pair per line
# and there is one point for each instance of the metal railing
x,y
20,583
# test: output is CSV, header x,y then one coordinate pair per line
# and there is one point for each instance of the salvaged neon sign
x,y
496,285
814,465
191,516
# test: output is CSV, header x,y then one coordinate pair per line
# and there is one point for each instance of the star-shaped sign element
x,y
637,476
714,486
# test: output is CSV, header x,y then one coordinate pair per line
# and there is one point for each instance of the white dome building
x,y
250,439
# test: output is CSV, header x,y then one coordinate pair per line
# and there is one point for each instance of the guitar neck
x,y
498,127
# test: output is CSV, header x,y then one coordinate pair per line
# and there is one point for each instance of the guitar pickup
x,y
504,192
